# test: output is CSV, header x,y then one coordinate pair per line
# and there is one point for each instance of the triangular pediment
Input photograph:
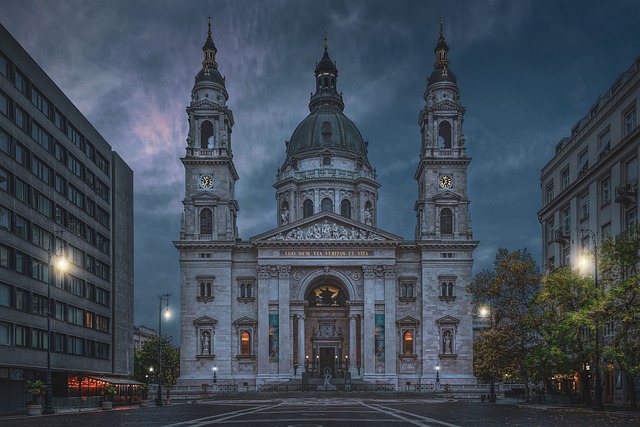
x,y
408,320
205,320
447,320
326,226
447,195
244,320
205,196
446,104
205,104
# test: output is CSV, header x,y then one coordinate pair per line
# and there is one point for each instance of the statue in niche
x,y
327,296
447,342
206,343
210,142
368,220
284,216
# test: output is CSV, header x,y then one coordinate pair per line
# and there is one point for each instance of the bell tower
x,y
210,206
442,208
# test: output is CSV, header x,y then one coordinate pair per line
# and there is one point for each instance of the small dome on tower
x,y
441,72
209,71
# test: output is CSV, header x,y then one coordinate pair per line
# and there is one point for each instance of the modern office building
x,y
590,186
64,193
326,291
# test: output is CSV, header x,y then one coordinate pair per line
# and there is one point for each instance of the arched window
x,y
307,208
206,134
345,208
326,205
407,342
446,221
245,343
206,221
444,135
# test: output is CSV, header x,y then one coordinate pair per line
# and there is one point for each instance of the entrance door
x,y
327,360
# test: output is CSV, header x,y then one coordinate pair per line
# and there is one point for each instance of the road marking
x,y
396,413
223,417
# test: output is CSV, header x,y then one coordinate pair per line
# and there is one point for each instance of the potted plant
x,y
108,392
144,400
36,388
205,387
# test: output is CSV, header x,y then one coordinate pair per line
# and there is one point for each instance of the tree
x,y
620,308
567,301
147,357
509,290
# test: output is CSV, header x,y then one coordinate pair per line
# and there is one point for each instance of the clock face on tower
x,y
205,181
445,181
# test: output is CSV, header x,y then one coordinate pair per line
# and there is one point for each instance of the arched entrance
x,y
327,328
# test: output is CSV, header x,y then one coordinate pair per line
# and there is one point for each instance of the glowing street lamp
x,y
167,315
61,266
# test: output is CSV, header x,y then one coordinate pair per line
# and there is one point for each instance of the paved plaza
x,y
334,411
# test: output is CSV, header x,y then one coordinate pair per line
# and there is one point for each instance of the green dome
x,y
327,129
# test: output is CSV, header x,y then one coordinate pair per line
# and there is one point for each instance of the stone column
x,y
263,320
391,343
300,344
286,348
316,201
368,363
352,346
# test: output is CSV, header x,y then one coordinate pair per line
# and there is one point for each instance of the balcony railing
x,y
627,192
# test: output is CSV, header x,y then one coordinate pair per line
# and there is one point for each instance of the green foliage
x,y
36,387
568,302
620,307
109,391
509,291
147,357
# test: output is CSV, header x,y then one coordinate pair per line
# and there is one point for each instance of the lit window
x,y
407,342
245,343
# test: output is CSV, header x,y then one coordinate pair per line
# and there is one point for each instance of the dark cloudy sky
x,y
528,71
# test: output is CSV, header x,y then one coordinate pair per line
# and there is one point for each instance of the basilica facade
x,y
327,290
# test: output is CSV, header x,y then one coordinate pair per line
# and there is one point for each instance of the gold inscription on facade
x,y
326,253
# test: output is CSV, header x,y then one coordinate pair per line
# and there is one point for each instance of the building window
x,y
204,288
605,191
583,162
566,219
246,289
345,208
629,121
584,203
566,255
631,219
206,221
326,205
407,342
407,289
565,178
446,289
307,208
604,143
446,221
245,343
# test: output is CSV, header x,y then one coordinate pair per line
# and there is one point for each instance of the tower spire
x,y
210,51
441,51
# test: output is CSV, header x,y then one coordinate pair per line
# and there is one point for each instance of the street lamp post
x,y
48,396
437,377
488,312
164,297
597,386
215,374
